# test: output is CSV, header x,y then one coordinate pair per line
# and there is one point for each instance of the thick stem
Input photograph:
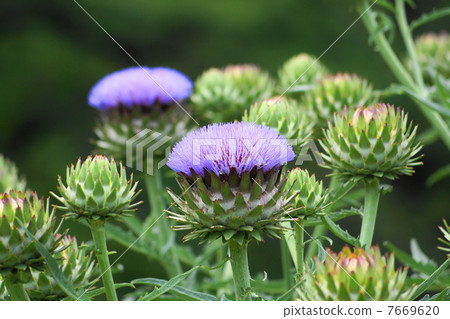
x,y
286,263
155,196
241,273
371,198
15,289
98,234
299,244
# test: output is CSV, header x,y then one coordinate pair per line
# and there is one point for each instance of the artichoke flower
x,y
96,189
284,116
9,177
311,198
76,264
222,95
356,276
374,141
137,99
333,93
433,55
18,252
302,69
231,181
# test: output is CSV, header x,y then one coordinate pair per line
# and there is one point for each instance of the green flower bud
x,y
302,69
96,189
333,93
372,141
222,95
284,116
18,252
77,265
356,276
9,178
433,55
310,197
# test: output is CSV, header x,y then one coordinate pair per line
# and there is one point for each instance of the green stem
x,y
99,236
371,198
241,273
400,72
15,289
286,263
409,43
299,245
166,236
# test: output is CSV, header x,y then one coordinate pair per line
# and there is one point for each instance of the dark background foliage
x,y
51,53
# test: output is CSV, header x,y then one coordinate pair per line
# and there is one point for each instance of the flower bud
x,y
222,95
356,276
9,177
372,141
96,189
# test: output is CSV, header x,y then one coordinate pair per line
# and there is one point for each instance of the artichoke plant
x,y
222,95
96,189
9,177
284,116
445,239
77,265
374,141
333,93
356,275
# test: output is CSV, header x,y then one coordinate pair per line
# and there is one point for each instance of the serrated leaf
x,y
339,232
430,16
429,281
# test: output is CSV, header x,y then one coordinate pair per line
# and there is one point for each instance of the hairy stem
x,y
371,198
98,234
299,245
241,273
286,264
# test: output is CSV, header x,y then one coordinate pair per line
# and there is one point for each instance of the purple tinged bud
x,y
218,148
138,86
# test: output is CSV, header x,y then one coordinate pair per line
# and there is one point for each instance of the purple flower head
x,y
218,148
138,86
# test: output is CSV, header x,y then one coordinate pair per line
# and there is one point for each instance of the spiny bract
x,y
356,276
9,177
18,252
372,141
96,188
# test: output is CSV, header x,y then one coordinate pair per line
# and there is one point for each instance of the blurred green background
x,y
51,53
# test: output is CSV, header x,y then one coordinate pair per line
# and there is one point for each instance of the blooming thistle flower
x,y
302,69
77,265
135,99
230,175
356,276
284,116
333,93
372,141
222,95
433,55
311,197
18,252
9,177
96,189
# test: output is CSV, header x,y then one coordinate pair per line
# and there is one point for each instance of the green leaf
x,y
339,232
443,90
343,190
286,296
184,293
438,175
174,282
52,265
427,283
430,104
408,260
334,216
428,17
